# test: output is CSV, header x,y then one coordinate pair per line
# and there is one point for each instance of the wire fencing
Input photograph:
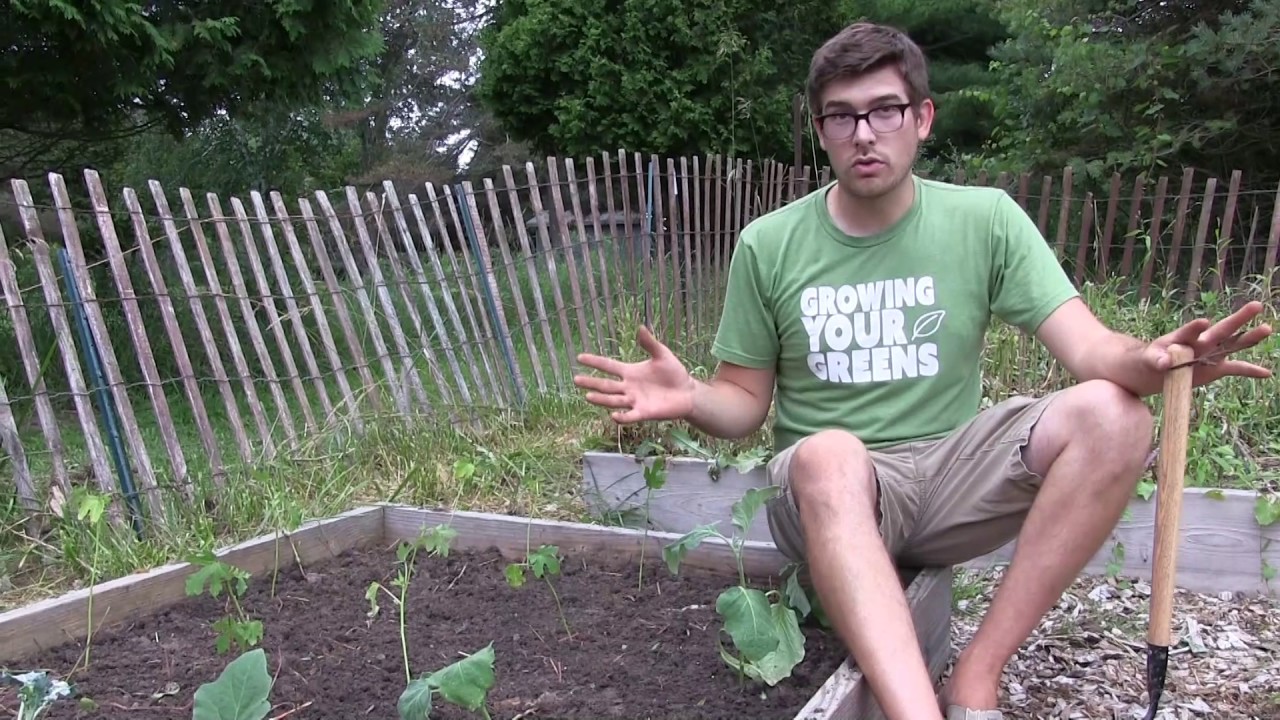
x,y
155,340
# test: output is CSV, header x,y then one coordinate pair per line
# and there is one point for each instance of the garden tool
x,y
1171,469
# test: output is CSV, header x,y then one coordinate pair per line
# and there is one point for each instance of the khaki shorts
x,y
941,502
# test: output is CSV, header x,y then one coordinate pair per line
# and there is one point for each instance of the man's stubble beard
x,y
849,184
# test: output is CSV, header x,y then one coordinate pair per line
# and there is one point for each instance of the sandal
x,y
955,712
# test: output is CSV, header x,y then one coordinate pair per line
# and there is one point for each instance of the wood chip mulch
x,y
1087,659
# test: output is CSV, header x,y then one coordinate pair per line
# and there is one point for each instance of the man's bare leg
x,y
832,479
1090,446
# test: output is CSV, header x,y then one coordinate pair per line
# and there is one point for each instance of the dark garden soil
x,y
650,654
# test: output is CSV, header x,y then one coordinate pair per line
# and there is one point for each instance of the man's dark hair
x,y
865,47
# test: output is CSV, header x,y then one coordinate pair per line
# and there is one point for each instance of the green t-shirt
x,y
882,335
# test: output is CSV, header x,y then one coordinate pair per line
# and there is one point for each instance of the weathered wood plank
x,y
614,483
513,536
847,696
179,257
42,625
248,316
127,418
1224,547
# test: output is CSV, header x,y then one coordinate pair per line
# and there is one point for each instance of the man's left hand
x,y
1212,343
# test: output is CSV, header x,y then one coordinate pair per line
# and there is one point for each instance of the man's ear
x,y
924,113
817,131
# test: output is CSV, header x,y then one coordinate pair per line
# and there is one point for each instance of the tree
x,y
93,72
580,77
1113,85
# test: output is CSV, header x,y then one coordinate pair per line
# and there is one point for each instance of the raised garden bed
x,y
1229,538
583,634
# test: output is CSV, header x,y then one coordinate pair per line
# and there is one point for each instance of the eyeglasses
x,y
883,119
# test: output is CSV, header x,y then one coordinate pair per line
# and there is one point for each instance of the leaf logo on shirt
x,y
927,325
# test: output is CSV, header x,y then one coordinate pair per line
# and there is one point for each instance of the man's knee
x,y
832,466
1113,422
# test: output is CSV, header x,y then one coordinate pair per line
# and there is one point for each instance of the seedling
x,y
743,462
764,629
655,476
36,692
91,506
236,629
435,541
465,683
544,561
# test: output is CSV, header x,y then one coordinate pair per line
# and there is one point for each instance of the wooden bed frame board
x,y
48,623
844,696
1223,548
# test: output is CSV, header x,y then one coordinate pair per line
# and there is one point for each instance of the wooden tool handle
x,y
1171,470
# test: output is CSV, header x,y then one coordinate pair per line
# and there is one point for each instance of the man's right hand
x,y
659,388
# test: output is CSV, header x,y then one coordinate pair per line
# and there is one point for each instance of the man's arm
x,y
1089,350
734,403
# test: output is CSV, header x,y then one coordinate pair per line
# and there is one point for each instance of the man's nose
x,y
863,134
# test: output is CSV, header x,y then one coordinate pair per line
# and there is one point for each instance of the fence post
x,y
481,254
89,350
648,248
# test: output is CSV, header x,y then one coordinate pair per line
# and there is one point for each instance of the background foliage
x,y
228,96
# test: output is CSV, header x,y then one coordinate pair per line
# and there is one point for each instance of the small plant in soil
x,y
465,683
236,629
435,541
36,692
241,690
763,627
743,462
543,562
91,506
655,476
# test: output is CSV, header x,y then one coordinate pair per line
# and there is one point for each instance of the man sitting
x,y
866,304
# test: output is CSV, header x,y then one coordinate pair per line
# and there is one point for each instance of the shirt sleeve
x,y
1027,281
748,332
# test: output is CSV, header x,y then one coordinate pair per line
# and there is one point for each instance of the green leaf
x,y
674,553
514,574
750,460
795,594
466,682
415,701
36,691
775,666
438,539
92,505
747,620
239,693
655,475
682,438
1266,510
545,559
745,509
1215,494
1146,489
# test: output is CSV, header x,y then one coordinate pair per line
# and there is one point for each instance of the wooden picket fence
x,y
153,345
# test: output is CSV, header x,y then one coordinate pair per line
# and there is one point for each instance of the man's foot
x,y
973,683
970,695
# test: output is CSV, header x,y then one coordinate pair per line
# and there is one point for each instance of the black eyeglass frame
x,y
859,117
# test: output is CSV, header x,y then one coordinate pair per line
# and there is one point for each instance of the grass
x,y
527,460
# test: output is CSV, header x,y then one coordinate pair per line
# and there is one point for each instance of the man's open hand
x,y
1212,343
659,388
